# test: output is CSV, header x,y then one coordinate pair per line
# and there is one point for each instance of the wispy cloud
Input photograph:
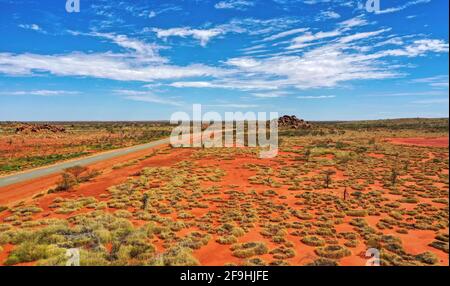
x,y
121,67
42,92
204,36
34,27
146,96
432,101
439,81
233,105
285,34
327,15
274,94
412,93
402,7
234,4
316,97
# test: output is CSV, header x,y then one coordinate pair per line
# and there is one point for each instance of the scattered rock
x,y
293,122
38,128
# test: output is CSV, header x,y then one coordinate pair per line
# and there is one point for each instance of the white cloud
x,y
33,27
303,40
42,92
285,34
418,48
234,105
353,22
194,84
274,94
316,97
122,67
146,96
339,59
406,94
234,4
440,81
432,101
360,36
204,36
227,83
326,15
402,7
149,51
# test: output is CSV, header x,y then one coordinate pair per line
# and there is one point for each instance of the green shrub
x,y
30,252
356,213
427,258
323,262
227,239
282,252
249,249
176,256
313,240
333,251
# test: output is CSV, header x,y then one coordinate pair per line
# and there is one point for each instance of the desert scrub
x,y
123,214
30,252
254,262
195,240
313,240
175,256
282,253
227,239
302,215
323,262
248,249
356,213
333,251
427,258
351,243
441,245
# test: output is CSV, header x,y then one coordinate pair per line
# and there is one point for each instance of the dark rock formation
x,y
35,128
293,122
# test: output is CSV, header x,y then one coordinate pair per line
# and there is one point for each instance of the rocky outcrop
x,y
293,122
39,128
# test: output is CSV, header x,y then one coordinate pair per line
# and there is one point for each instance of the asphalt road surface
x,y
45,171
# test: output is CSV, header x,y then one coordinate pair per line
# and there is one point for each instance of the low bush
x,y
313,240
249,249
333,251
323,262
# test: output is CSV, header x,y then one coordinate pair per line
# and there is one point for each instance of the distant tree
x,y
145,199
307,154
76,171
394,176
67,182
328,179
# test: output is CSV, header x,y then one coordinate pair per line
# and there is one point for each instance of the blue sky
x,y
144,60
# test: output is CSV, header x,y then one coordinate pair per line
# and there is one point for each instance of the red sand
x,y
213,253
429,142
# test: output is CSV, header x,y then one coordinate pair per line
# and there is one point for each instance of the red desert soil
x,y
430,142
213,253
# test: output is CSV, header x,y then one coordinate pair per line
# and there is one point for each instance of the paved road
x,y
45,171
